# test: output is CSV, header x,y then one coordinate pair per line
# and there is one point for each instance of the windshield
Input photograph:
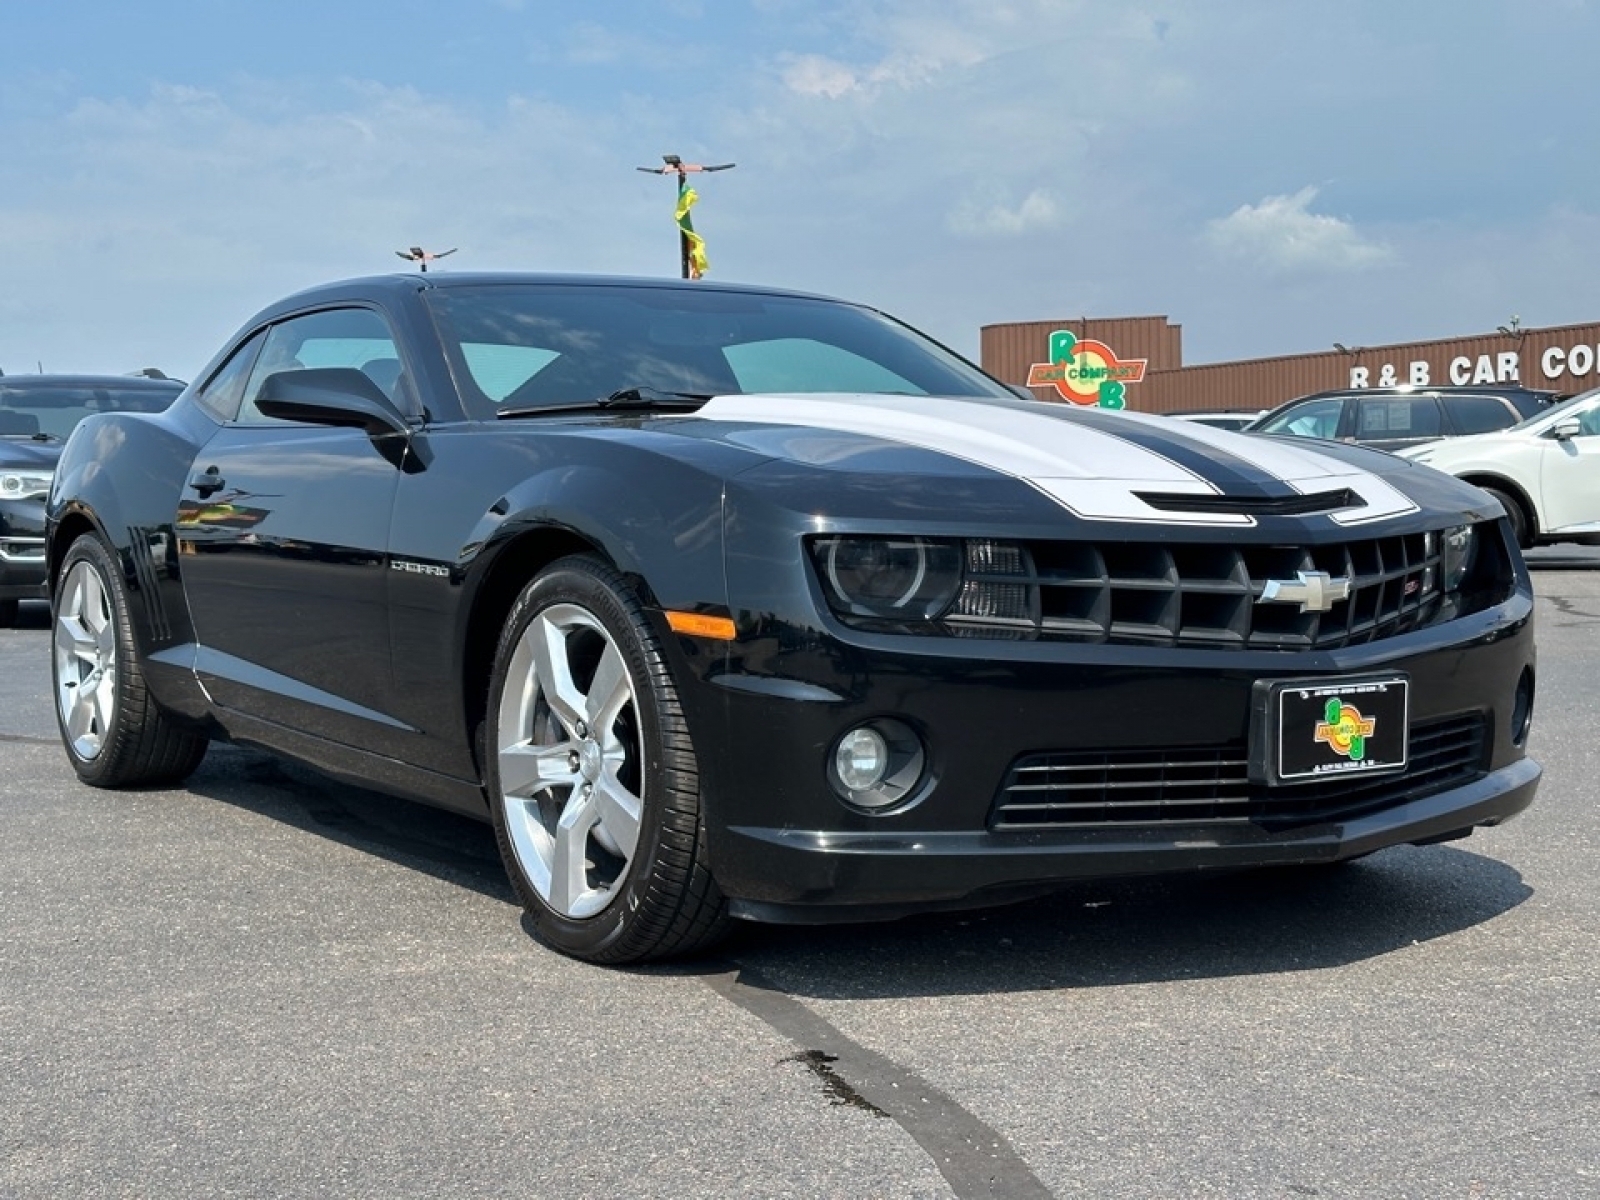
x,y
53,410
518,346
1569,407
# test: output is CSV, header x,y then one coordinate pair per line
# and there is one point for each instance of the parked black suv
x,y
37,412
1395,417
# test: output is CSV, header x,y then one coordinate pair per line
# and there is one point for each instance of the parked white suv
x,y
1545,472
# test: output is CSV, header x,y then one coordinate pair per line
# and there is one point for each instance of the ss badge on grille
x,y
1313,591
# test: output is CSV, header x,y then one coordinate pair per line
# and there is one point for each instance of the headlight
x,y
1457,554
904,579
24,485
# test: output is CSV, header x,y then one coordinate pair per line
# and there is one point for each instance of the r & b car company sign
x,y
1084,371
1553,364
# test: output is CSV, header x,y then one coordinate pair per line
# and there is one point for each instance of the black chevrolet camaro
x,y
725,602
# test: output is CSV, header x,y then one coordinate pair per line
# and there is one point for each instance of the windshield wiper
x,y
628,399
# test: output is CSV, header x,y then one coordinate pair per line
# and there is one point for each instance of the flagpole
x,y
686,241
683,238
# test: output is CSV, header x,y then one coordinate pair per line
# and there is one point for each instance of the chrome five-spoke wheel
x,y
85,660
114,731
591,774
569,755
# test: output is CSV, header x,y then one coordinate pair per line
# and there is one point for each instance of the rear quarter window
x,y
1481,414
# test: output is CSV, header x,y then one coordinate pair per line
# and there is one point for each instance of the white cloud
x,y
817,75
814,75
1284,235
1038,210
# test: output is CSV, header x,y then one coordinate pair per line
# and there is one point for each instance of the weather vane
x,y
691,245
423,257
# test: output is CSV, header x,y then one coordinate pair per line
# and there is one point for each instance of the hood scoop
x,y
1255,506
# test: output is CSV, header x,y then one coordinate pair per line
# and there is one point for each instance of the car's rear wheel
x,y
592,778
1521,523
8,613
114,733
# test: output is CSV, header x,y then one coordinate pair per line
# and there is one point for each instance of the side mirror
x,y
1567,429
336,396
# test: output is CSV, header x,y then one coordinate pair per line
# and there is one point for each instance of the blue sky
x,y
1272,175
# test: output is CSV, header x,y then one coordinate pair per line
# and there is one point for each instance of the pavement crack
x,y
821,1065
28,740
976,1160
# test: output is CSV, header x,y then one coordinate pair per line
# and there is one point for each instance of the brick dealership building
x,y
1137,363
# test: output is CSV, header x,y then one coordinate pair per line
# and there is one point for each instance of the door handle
x,y
207,481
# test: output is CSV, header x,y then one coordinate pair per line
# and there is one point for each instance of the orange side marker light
x,y
700,625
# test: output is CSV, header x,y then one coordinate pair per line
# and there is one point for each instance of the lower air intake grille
x,y
1079,790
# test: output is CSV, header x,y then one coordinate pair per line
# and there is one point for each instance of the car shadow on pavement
x,y
1089,934
1134,931
443,844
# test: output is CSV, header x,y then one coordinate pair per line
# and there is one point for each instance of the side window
x,y
339,337
1318,419
1481,414
224,390
1415,416
803,365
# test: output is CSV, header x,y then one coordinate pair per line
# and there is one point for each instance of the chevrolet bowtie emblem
x,y
1313,591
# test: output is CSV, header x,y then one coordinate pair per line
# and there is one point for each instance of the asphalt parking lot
x,y
266,984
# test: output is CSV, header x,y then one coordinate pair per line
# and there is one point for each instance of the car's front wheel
x,y
9,610
592,777
114,733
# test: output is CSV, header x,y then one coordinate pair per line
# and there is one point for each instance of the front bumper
x,y
24,574
784,847
864,876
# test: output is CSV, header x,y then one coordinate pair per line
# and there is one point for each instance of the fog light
x,y
862,759
878,766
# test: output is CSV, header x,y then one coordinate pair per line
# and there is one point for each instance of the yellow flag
x,y
697,244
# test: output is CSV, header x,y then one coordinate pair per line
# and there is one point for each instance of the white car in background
x,y
1545,472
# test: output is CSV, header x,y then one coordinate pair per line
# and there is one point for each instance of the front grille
x,y
1077,790
1200,595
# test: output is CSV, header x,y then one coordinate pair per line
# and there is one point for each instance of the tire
x,y
113,732
592,778
1521,526
8,613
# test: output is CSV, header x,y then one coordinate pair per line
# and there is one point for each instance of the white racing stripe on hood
x,y
1304,469
1092,473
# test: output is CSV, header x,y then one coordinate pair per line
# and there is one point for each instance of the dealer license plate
x,y
1309,729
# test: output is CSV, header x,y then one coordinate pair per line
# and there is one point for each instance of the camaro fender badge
x,y
1345,730
416,568
1313,591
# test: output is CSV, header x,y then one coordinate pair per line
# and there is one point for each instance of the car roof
x,y
400,283
127,382
1442,389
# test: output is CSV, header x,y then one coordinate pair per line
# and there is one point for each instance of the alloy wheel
x,y
570,754
86,660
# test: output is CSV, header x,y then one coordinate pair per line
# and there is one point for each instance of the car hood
x,y
24,453
1098,465
1447,453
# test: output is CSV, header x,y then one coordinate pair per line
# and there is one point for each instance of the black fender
x,y
120,476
